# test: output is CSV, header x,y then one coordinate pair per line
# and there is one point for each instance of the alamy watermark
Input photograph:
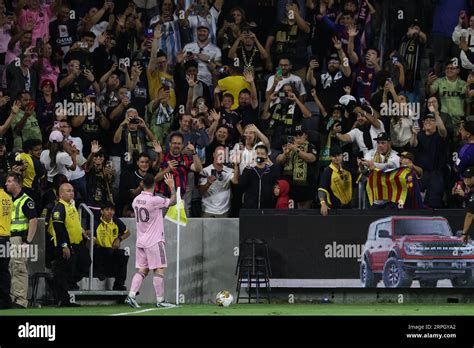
x,y
76,108
343,251
395,109
21,251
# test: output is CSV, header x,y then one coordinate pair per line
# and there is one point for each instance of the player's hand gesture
x,y
169,181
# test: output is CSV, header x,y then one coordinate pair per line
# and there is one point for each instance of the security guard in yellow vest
x,y
24,222
109,259
6,207
71,260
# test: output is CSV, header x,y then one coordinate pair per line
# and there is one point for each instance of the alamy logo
x,y
75,108
343,251
37,331
21,251
391,109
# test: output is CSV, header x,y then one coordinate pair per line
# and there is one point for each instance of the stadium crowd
x,y
248,104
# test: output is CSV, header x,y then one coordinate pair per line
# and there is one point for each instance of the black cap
x,y
382,137
469,172
337,107
301,128
367,109
429,115
334,56
335,151
416,22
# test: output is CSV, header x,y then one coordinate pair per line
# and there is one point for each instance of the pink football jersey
x,y
149,215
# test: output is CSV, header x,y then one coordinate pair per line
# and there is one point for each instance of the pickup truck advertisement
x,y
364,249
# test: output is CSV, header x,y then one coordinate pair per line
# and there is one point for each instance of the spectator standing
x,y
215,187
430,152
23,230
452,92
99,178
207,55
33,170
71,257
365,130
335,187
298,160
257,182
288,38
25,124
59,158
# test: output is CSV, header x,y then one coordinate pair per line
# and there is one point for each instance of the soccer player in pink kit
x,y
150,247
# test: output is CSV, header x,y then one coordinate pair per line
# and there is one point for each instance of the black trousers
x,y
68,272
5,278
111,263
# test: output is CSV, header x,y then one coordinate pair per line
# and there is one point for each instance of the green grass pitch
x,y
255,309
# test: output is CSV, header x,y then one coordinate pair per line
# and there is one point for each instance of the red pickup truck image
x,y
400,249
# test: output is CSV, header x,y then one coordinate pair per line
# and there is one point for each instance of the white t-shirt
x,y
393,161
63,160
78,172
217,198
212,51
358,136
247,157
211,19
293,79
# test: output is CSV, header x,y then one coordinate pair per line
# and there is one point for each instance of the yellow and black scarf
x,y
296,167
134,144
378,157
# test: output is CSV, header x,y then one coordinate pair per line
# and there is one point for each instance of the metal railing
x,y
83,206
362,195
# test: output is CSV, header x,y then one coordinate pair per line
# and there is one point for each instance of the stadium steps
x,y
99,294
98,297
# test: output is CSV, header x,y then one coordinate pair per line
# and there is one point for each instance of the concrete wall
x,y
207,260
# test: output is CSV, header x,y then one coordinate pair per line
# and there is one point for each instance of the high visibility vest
x,y
6,207
19,220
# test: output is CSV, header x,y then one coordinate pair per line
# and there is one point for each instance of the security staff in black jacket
x,y
257,182
72,259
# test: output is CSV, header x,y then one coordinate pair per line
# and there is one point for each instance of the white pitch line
x,y
142,311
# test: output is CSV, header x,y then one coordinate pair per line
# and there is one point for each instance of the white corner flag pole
x,y
178,207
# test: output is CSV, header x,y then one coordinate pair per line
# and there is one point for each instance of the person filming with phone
x,y
215,186
132,135
257,182
281,118
299,167
25,124
282,77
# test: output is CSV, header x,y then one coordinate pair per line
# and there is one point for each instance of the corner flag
x,y
172,214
